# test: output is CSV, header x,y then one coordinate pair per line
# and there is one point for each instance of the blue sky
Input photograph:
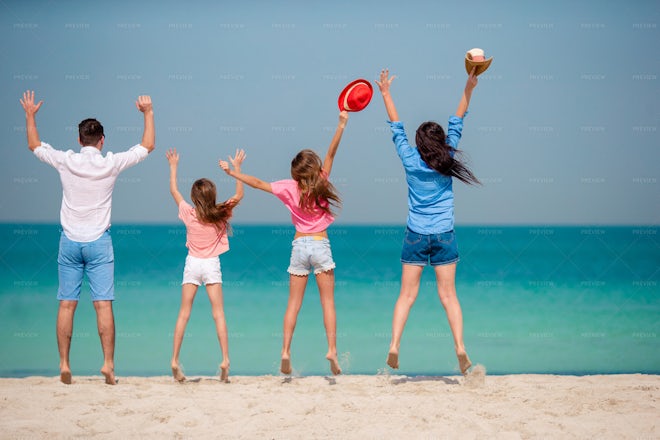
x,y
563,128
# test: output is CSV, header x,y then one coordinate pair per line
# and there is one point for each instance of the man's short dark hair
x,y
90,132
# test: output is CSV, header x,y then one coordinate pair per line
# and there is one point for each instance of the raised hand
x,y
467,94
238,159
384,86
225,166
28,103
472,80
172,157
385,81
343,118
235,161
143,103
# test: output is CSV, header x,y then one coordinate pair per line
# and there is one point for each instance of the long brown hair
x,y
203,194
316,192
432,146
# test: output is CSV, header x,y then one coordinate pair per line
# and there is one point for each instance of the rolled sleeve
x,y
127,159
403,148
49,155
455,130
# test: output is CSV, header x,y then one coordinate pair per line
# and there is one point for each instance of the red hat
x,y
355,96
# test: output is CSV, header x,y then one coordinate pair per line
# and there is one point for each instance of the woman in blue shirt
x,y
430,226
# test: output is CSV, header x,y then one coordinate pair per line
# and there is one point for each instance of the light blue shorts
x,y
95,259
310,253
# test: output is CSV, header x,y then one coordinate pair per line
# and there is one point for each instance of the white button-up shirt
x,y
87,182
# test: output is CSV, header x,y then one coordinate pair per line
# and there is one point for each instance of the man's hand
x,y
31,110
143,103
28,103
385,81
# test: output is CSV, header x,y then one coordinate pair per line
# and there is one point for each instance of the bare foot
x,y
285,366
464,363
109,374
334,364
393,359
65,376
177,373
224,373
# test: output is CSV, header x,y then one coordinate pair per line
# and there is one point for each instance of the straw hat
x,y
355,96
481,63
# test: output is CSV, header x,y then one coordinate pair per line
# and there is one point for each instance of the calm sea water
x,y
566,300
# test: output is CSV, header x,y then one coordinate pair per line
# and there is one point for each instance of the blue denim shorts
x,y
310,253
94,258
436,249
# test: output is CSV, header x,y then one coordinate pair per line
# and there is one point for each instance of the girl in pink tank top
x,y
309,196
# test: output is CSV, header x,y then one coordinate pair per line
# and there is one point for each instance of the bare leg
x,y
410,276
446,277
215,296
64,331
297,286
105,321
188,292
326,283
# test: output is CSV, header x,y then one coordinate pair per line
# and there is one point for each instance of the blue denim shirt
x,y
430,194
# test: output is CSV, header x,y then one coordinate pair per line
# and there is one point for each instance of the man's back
x,y
88,179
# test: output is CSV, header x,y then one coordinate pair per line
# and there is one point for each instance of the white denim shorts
x,y
201,271
310,253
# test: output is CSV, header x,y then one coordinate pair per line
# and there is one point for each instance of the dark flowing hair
x,y
203,194
432,146
316,191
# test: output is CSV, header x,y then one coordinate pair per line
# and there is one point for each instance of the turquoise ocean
x,y
537,299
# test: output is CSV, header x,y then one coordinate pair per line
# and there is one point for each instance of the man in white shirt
x,y
88,179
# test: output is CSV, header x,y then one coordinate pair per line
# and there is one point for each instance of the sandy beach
x,y
344,407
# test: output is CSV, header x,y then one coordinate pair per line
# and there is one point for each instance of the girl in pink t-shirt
x,y
207,224
309,197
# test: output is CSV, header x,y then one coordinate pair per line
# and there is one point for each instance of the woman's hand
x,y
385,81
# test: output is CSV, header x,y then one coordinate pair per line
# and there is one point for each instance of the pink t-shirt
x,y
202,239
289,193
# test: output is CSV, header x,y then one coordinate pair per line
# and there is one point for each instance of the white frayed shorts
x,y
310,253
201,271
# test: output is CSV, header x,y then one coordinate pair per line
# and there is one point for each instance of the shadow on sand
x,y
405,379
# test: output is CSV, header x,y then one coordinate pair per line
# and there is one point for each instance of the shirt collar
x,y
89,149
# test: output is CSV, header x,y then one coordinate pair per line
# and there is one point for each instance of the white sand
x,y
345,407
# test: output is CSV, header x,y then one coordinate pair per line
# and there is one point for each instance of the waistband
x,y
310,239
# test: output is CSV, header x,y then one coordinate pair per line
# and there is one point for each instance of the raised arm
x,y
334,143
143,104
236,162
173,159
248,180
384,86
467,94
31,110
